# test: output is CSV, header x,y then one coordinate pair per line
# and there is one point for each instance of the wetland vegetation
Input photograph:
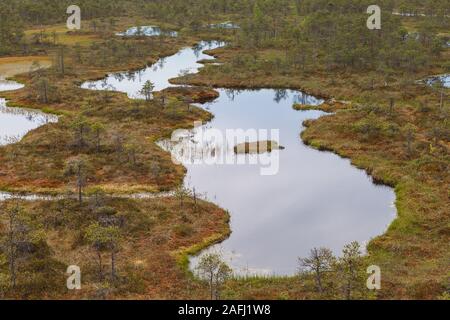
x,y
104,144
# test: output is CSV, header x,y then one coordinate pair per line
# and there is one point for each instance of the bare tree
x,y
42,88
409,132
132,151
194,195
98,130
60,61
391,106
80,168
319,262
36,68
439,86
163,98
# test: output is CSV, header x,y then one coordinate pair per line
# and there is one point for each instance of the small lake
x,y
314,199
147,31
17,122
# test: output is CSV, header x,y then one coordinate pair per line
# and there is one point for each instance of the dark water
x,y
313,199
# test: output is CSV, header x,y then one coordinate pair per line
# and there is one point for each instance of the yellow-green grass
x,y
64,36
12,66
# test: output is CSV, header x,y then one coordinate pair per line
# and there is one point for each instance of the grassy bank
x,y
153,232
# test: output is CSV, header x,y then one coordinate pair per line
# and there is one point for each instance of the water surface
x,y
441,80
185,61
16,122
228,25
148,31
